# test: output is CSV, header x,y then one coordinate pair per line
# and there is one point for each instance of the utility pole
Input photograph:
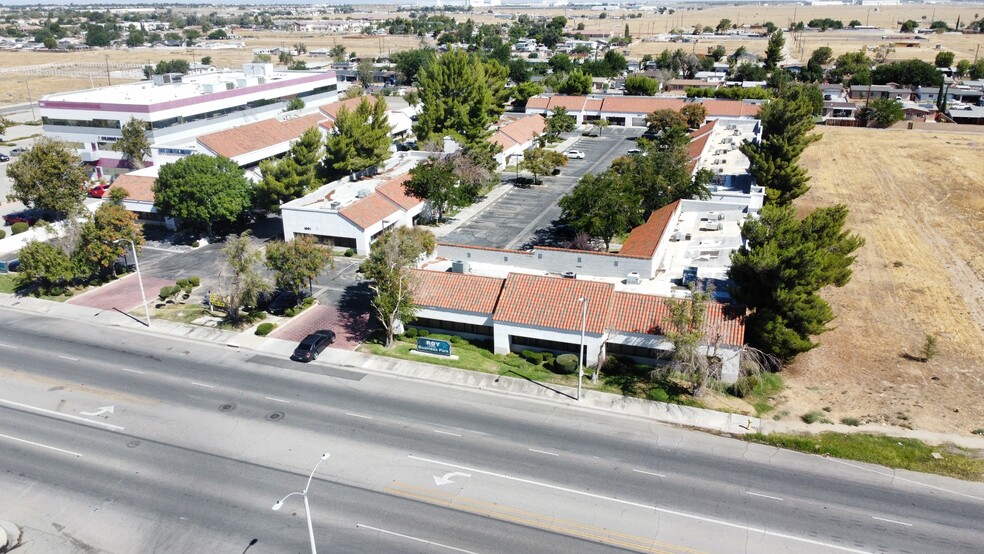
x,y
108,79
27,83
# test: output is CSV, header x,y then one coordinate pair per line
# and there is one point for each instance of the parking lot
x,y
526,216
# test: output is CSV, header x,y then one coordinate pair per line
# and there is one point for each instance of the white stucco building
x,y
177,109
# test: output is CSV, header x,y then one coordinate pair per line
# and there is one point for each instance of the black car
x,y
281,302
312,345
4,158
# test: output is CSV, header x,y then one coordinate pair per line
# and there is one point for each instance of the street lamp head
x,y
325,456
278,505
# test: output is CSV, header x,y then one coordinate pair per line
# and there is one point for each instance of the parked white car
x,y
575,154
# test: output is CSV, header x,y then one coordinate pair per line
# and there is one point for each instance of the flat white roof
x,y
191,86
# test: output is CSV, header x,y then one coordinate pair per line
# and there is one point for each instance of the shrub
x,y
513,361
309,301
196,244
194,280
566,364
19,227
548,358
455,339
423,333
410,333
56,291
181,283
812,417
852,421
659,395
527,355
929,348
265,329
349,253
978,431
167,291
3,233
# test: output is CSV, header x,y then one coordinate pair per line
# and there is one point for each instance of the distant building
x,y
177,108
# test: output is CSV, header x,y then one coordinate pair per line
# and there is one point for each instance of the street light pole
x,y
307,506
136,262
580,353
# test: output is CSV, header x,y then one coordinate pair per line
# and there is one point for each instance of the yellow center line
x,y
533,519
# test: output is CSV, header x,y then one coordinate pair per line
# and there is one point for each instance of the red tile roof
x,y
696,146
553,302
640,104
704,129
644,239
370,210
572,103
538,103
455,291
647,314
140,188
256,136
331,110
730,108
394,191
519,131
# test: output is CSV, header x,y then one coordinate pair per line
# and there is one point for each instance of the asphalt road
x,y
203,439
526,215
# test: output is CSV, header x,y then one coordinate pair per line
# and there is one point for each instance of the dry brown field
x,y
917,199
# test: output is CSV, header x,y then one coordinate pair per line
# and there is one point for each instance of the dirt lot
x,y
917,199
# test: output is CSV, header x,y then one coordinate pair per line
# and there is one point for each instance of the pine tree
x,y
786,123
360,138
461,97
773,52
780,269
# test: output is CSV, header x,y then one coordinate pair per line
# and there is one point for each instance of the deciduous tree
x,y
577,83
695,114
105,238
244,283
296,263
386,268
602,205
640,85
49,176
201,190
540,161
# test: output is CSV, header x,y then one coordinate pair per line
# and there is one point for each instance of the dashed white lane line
x,y
892,521
68,358
130,370
38,444
425,541
9,346
446,433
648,473
358,416
543,452
763,495
201,385
277,399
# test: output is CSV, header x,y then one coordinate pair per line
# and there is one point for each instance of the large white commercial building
x,y
177,109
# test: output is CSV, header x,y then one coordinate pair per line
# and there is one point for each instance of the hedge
x,y
566,363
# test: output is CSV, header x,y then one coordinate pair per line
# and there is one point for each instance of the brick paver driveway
x,y
122,294
348,333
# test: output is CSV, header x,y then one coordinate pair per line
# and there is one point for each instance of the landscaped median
x,y
894,452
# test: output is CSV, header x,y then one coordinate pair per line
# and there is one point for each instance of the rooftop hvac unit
x,y
460,266
241,83
208,88
711,226
334,205
632,278
690,276
363,193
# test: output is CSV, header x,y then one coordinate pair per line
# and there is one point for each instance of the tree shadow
x,y
355,312
911,357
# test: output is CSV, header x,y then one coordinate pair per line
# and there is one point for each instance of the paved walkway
x,y
546,392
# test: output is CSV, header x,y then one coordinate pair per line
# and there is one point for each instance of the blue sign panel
x,y
434,346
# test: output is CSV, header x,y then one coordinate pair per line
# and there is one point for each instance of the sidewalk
x,y
674,414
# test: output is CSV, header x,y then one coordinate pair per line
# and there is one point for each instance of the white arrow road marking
x,y
447,478
59,414
100,411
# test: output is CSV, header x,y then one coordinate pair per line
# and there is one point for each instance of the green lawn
x,y
8,283
892,452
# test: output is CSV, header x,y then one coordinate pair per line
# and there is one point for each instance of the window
x,y
551,345
453,326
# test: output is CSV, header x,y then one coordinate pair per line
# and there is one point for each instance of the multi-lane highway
x,y
115,440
